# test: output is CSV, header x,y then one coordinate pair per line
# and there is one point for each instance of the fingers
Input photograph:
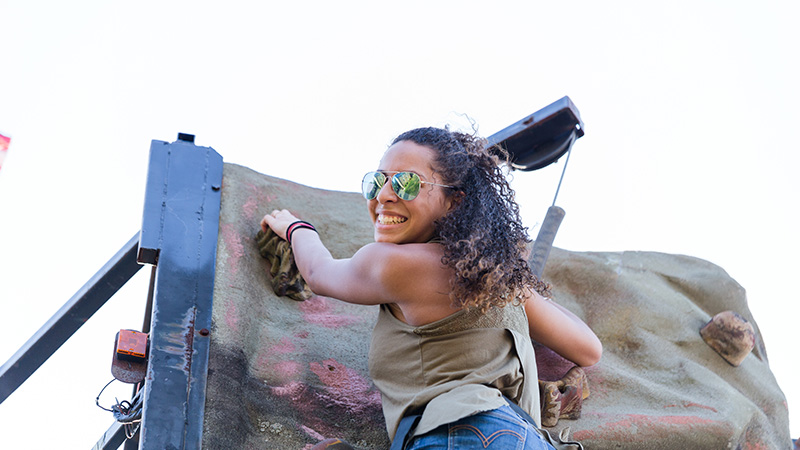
x,y
277,215
278,220
267,219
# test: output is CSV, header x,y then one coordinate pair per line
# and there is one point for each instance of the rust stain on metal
x,y
188,337
181,338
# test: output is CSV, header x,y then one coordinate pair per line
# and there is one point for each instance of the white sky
x,y
690,109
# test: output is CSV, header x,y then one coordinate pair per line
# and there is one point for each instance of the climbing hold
x,y
730,335
563,399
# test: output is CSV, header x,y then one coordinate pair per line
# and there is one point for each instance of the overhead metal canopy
x,y
541,138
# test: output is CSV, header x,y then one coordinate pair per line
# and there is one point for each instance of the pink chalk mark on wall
x,y
287,370
312,433
642,427
234,246
345,386
692,405
283,347
231,318
293,390
598,387
752,441
250,208
271,360
254,201
319,311
304,401
342,392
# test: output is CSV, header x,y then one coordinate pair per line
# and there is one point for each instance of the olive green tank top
x,y
453,368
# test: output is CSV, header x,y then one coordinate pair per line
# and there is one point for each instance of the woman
x,y
459,303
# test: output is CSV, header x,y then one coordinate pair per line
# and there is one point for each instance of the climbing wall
x,y
285,374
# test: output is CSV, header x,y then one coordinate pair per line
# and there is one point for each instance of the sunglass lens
x,y
406,185
372,184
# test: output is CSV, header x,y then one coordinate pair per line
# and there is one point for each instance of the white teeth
x,y
390,220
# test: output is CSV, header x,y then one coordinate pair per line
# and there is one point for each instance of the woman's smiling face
x,y
408,221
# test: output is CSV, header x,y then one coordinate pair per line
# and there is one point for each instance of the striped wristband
x,y
296,225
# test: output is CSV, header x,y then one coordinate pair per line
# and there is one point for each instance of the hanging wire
x,y
97,400
127,413
564,170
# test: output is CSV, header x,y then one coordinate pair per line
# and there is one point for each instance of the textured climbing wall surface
x,y
659,385
286,374
283,374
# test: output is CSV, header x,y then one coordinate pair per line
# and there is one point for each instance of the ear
x,y
452,201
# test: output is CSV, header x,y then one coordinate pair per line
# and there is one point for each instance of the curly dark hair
x,y
483,237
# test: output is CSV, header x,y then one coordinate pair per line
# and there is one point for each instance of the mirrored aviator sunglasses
x,y
406,185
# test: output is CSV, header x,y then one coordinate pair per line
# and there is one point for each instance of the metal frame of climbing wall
x,y
180,225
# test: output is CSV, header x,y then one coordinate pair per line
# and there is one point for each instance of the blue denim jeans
x,y
500,429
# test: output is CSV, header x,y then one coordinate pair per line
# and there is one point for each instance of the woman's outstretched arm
x,y
562,331
377,273
354,280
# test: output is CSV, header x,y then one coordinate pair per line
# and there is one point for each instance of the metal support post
x,y
180,226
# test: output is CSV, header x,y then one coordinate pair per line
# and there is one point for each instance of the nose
x,y
386,194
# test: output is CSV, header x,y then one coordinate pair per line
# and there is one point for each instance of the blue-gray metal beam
x,y
180,226
94,294
112,438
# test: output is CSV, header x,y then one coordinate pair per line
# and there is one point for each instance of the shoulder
x,y
401,256
396,263
408,274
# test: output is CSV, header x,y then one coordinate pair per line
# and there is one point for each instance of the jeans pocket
x,y
496,429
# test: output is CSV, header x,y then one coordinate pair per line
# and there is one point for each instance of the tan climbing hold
x,y
730,335
563,399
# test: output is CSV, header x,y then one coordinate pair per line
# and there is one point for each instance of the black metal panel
x,y
540,139
94,294
188,203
